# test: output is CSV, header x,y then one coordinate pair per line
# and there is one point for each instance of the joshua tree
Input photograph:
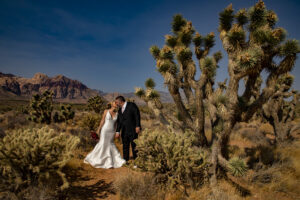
x,y
96,104
281,113
41,107
180,74
253,43
66,113
151,97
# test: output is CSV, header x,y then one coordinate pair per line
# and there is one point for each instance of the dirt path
x,y
90,183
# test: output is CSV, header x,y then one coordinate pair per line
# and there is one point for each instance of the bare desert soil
x,y
89,183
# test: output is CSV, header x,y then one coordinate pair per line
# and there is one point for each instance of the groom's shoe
x,y
126,164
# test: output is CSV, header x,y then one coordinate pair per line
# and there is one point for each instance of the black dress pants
x,y
127,140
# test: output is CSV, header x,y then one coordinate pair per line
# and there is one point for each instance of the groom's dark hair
x,y
121,98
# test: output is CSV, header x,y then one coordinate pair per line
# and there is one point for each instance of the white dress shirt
x,y
124,106
123,109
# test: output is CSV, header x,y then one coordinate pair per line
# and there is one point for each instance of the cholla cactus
x,y
90,121
66,114
41,108
172,158
96,104
32,155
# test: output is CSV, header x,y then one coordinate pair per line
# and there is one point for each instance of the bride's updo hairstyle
x,y
108,106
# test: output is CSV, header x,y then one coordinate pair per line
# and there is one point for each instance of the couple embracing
x,y
122,119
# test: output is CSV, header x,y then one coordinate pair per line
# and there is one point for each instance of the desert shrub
x,y
90,121
80,107
13,120
172,157
4,108
2,133
97,104
65,114
147,111
23,109
29,156
13,105
137,186
38,192
7,195
282,177
288,163
298,109
41,107
86,141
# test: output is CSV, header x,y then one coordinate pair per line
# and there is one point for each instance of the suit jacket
x,y
129,120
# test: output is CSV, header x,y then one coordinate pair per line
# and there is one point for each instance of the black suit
x,y
127,122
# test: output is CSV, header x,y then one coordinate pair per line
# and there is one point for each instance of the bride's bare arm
x,y
101,122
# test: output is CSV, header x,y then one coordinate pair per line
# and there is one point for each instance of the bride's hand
x,y
98,132
117,135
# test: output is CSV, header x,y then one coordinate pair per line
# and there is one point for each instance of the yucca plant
x,y
237,166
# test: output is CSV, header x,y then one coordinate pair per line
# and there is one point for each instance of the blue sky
x,y
105,44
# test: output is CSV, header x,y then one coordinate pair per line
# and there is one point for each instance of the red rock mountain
x,y
64,88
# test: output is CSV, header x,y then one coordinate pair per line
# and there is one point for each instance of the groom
x,y
129,123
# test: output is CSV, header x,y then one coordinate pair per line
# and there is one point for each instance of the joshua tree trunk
x,y
157,112
280,113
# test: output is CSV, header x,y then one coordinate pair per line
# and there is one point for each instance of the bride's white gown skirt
x,y
105,154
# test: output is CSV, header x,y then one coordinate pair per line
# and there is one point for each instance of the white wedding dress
x,y
105,154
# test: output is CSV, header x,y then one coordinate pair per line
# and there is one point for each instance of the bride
x,y
105,154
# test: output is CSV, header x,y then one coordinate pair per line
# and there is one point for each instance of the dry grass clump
x,y
2,133
39,193
86,142
8,196
281,179
224,191
139,186
288,170
90,121
13,120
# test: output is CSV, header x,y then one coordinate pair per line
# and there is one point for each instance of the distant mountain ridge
x,y
64,89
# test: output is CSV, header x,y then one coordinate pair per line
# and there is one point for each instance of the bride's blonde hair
x,y
109,105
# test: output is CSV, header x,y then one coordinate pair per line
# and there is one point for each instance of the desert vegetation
x,y
253,44
214,141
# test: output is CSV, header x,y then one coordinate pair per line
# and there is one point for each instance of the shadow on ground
x,y
86,188
99,190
